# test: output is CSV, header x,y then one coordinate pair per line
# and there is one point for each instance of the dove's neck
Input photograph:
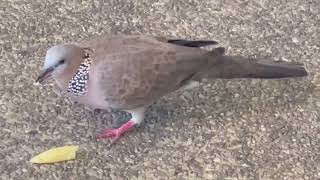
x,y
78,85
63,80
75,78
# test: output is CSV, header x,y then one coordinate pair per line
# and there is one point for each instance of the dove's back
x,y
134,71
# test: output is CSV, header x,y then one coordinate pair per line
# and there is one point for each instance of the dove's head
x,y
61,59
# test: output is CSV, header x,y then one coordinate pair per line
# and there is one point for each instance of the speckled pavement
x,y
235,129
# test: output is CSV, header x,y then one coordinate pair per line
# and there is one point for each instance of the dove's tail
x,y
229,67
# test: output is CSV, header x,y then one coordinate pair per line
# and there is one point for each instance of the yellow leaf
x,y
58,154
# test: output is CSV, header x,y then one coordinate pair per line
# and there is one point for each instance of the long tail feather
x,y
229,67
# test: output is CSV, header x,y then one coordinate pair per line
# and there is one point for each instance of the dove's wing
x,y
134,71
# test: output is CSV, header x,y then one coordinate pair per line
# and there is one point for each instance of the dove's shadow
x,y
165,113
156,113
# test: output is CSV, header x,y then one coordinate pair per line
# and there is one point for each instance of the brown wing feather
x,y
135,71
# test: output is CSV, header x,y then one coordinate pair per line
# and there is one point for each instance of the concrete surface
x,y
248,129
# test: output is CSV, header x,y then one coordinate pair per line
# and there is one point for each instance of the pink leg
x,y
116,133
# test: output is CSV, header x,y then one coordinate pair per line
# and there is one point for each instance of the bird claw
x,y
116,133
108,133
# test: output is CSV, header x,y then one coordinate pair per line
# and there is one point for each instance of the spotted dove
x,y
131,72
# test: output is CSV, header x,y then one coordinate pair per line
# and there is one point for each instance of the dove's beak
x,y
45,75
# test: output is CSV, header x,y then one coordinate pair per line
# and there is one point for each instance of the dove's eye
x,y
61,61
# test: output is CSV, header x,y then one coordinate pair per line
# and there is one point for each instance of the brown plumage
x,y
132,72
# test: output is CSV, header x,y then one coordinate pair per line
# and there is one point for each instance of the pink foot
x,y
116,133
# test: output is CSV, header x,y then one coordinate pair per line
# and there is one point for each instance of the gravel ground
x,y
235,129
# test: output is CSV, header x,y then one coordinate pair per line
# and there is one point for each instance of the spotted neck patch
x,y
78,83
